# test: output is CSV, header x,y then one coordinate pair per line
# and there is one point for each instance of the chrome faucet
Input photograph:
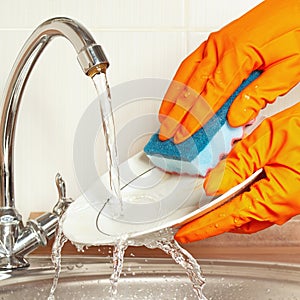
x,y
17,240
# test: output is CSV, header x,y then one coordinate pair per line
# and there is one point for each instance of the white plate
x,y
152,200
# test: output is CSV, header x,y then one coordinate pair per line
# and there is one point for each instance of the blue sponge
x,y
203,150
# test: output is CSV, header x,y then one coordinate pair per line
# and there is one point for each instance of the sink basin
x,y
88,278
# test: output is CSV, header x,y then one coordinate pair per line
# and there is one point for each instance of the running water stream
x,y
120,247
108,124
60,240
163,239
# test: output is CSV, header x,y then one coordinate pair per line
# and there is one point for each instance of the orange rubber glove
x,y
273,146
265,38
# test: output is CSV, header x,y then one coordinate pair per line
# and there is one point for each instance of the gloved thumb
x,y
247,156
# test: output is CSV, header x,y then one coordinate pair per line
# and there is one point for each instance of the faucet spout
x,y
92,61
91,58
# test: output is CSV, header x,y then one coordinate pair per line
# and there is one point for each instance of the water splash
x,y
187,261
165,241
162,239
108,124
118,260
60,240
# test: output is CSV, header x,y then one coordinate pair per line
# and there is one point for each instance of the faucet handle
x,y
61,186
63,202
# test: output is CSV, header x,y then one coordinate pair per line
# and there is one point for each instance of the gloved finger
x,y
275,81
273,142
170,98
204,70
258,204
189,97
227,77
175,116
247,156
252,227
192,110
190,120
180,80
220,220
189,65
196,117
218,89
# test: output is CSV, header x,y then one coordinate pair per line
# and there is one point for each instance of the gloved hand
x,y
273,146
266,38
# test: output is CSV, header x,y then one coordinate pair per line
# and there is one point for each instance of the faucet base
x,y
13,262
15,239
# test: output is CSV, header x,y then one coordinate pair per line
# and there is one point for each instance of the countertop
x,y
228,247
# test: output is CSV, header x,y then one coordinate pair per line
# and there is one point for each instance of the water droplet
x,y
217,225
187,94
247,97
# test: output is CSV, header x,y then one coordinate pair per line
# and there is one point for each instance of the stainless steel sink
x,y
88,278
